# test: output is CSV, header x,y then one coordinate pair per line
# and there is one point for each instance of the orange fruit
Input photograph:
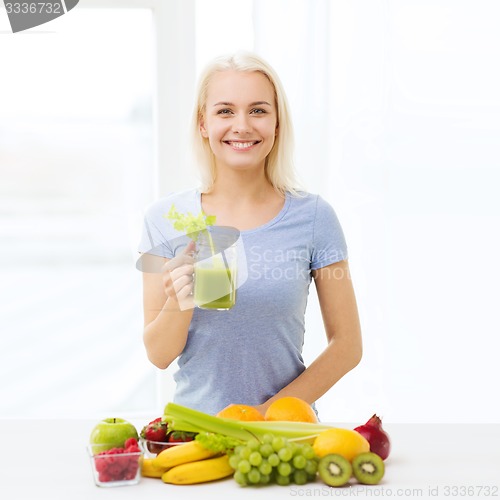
x,y
240,412
345,442
291,409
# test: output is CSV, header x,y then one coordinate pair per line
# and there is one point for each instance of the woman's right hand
x,y
177,275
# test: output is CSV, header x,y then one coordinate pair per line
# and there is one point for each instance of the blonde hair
x,y
279,166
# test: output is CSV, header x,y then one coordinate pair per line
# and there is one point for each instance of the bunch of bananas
x,y
189,463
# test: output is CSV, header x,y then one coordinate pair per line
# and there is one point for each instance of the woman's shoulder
x,y
306,200
310,208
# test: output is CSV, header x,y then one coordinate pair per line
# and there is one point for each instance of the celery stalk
x,y
189,223
187,419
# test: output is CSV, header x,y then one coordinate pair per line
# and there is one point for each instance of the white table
x,y
47,459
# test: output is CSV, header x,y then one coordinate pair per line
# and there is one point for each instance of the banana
x,y
181,454
148,469
200,471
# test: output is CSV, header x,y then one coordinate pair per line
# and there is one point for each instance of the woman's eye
x,y
258,111
223,111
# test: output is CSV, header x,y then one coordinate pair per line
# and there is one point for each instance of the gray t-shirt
x,y
248,353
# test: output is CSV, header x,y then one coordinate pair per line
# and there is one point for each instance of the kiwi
x,y
334,469
368,468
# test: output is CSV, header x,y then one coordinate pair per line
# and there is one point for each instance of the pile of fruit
x,y
115,452
286,445
344,453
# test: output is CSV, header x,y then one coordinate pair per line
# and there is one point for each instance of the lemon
x,y
345,442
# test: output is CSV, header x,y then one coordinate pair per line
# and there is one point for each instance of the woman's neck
x,y
241,186
242,201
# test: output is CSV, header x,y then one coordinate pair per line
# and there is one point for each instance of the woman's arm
x,y
343,332
168,308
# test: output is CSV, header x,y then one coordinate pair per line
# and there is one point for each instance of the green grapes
x,y
244,466
311,467
253,444
265,468
267,438
284,468
278,443
253,476
266,450
240,478
265,478
234,460
255,458
273,459
285,454
300,477
282,480
308,451
299,461
245,452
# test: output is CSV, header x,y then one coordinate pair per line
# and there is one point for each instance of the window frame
x,y
174,28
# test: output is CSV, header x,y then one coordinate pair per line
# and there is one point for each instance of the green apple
x,y
111,433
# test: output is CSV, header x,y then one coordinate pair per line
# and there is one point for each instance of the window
x,y
77,169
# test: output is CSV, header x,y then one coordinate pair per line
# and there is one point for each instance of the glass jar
x,y
215,269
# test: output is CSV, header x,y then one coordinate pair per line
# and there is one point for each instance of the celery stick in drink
x,y
215,267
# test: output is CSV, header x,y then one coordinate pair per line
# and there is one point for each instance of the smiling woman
x,y
239,96
230,110
242,128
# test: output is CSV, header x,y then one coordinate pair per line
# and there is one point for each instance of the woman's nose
x,y
241,124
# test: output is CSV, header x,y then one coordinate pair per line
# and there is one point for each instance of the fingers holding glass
x,y
178,282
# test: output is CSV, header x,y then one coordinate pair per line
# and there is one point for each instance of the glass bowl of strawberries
x,y
156,437
116,466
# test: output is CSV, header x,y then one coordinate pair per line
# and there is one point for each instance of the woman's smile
x,y
242,145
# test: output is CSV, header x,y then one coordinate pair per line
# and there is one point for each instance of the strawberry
x,y
156,430
180,436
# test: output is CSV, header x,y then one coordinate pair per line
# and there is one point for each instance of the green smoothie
x,y
214,287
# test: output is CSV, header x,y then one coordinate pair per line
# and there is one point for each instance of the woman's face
x,y
240,119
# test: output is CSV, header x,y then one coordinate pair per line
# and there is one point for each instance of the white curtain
x,y
311,45
294,37
396,113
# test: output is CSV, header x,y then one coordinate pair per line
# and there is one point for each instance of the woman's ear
x,y
203,130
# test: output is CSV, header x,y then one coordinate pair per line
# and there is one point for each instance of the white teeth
x,y
241,145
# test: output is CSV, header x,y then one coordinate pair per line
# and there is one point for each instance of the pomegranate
x,y
380,443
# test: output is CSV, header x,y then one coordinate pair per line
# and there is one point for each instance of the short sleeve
x,y
329,245
153,241
158,237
